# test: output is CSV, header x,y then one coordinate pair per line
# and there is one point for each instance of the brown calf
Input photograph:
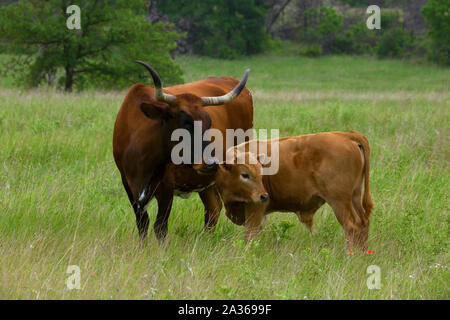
x,y
313,169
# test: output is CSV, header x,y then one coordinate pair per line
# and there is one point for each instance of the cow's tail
x,y
363,144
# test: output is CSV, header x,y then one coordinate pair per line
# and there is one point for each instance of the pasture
x,y
62,202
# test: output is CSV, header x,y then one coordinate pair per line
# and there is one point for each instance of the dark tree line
x,y
114,33
220,28
230,28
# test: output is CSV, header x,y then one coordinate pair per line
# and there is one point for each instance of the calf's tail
x,y
363,143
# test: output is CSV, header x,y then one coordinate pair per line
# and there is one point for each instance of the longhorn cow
x,y
142,142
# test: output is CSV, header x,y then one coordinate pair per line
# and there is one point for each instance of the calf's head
x,y
180,112
241,181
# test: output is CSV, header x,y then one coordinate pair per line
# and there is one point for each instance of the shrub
x,y
437,16
357,39
324,24
312,51
220,28
393,40
391,18
395,43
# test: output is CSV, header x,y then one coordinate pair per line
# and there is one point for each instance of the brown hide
x,y
142,152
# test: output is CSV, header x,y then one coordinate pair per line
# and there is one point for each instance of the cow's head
x,y
241,180
180,111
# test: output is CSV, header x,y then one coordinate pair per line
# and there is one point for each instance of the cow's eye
x,y
245,176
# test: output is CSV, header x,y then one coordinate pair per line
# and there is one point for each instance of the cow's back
x,y
236,114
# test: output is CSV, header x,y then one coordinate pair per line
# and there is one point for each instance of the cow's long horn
x,y
214,101
158,92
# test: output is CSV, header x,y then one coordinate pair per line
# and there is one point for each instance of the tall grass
x,y
62,203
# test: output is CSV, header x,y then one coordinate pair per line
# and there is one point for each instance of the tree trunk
x,y
69,79
274,14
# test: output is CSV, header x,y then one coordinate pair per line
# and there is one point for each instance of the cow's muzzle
x,y
264,197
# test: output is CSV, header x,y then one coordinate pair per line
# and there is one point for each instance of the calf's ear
x,y
262,158
156,110
225,166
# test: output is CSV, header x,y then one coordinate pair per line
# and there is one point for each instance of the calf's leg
x,y
254,214
306,217
352,224
357,205
211,200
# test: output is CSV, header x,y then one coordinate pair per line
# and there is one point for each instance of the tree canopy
x,y
437,15
220,28
113,34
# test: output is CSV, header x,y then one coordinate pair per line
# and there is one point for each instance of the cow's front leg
x,y
139,198
254,214
164,196
211,200
141,223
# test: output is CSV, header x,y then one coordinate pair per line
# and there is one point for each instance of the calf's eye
x,y
245,176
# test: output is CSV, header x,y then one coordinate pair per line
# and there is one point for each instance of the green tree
x,y
437,16
101,53
220,28
323,26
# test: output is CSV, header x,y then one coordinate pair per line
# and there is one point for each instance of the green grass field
x,y
62,202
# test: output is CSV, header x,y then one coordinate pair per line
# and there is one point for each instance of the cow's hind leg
x,y
211,200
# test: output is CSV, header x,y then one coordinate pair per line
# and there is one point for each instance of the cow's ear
x,y
156,110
